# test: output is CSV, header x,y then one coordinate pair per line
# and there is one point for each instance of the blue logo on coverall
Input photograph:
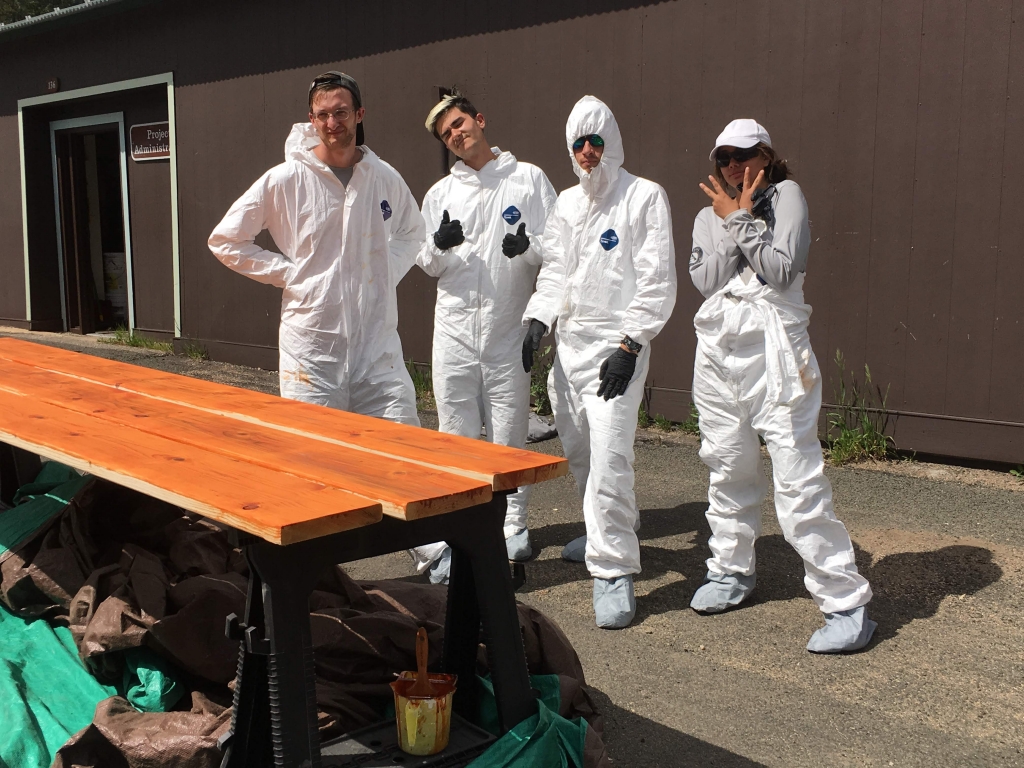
x,y
609,240
385,209
511,214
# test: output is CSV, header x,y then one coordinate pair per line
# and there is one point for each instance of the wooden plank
x,y
817,161
503,468
404,490
892,197
1006,399
936,195
853,167
978,215
275,506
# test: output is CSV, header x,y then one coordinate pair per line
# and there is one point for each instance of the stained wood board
x,y
502,467
406,491
273,505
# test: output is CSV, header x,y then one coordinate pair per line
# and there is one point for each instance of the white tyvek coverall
x,y
609,271
345,250
755,374
481,295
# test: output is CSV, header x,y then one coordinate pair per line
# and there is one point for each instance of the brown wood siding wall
x,y
12,284
894,115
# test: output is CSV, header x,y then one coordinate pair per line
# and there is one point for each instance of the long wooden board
x,y
273,505
404,490
501,467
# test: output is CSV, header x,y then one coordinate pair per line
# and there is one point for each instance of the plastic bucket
x,y
424,723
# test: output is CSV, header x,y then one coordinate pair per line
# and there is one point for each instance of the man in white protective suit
x,y
486,218
609,279
756,375
349,230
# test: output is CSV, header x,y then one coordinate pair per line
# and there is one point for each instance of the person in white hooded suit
x,y
609,280
486,219
349,230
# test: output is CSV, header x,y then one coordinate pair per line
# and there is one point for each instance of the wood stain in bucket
x,y
424,722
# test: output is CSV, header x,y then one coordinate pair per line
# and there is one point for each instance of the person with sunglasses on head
x,y
349,230
486,218
609,280
756,375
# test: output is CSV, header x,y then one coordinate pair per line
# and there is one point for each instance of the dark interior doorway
x,y
91,223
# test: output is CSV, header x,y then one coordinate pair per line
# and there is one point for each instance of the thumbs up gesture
x,y
449,233
513,245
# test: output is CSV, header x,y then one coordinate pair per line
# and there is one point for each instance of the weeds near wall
x,y
194,350
689,427
422,381
1018,472
857,428
123,336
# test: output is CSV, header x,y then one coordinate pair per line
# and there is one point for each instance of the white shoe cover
x,y
576,550
518,546
722,591
844,631
441,568
614,602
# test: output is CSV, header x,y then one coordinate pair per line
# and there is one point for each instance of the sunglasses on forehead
x,y
595,141
334,78
724,157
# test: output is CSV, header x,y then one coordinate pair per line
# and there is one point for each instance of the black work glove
x,y
616,373
449,233
515,244
532,341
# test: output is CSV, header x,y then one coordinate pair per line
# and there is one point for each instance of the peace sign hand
x,y
749,189
722,204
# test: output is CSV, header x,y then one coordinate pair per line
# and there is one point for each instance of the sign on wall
x,y
150,141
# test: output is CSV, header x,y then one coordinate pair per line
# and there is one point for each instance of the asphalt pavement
x,y
942,683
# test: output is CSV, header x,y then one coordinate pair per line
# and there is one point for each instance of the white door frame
x,y
84,122
166,79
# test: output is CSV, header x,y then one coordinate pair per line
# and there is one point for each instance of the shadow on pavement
x,y
911,585
906,585
634,741
654,524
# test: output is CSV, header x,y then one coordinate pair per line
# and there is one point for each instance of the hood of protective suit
x,y
301,139
589,116
503,164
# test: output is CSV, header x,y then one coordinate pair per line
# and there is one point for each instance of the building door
x,y
88,169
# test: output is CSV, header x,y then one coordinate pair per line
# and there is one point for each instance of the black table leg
x,y
275,694
481,542
17,468
462,633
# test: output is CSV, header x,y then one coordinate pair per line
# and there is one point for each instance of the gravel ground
x,y
942,684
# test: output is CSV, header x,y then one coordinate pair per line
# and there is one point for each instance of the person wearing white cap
x,y
609,279
485,220
755,374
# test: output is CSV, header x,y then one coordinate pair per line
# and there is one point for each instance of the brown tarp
x,y
123,570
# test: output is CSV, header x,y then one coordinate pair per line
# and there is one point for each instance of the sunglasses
x,y
723,157
595,141
335,78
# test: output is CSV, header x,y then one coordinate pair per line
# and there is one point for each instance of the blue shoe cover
x,y
614,602
441,568
576,550
844,631
722,591
518,546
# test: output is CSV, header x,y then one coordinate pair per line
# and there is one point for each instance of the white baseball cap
x,y
743,133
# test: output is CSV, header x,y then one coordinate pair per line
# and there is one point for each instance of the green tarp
x,y
546,739
46,693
